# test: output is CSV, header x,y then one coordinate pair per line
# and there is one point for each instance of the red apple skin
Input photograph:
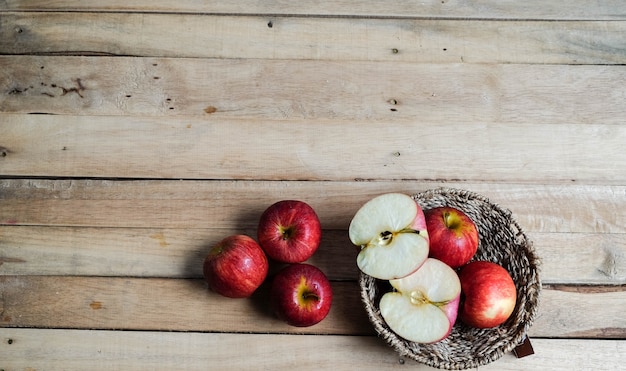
x,y
235,267
419,224
301,295
451,309
289,231
453,236
488,294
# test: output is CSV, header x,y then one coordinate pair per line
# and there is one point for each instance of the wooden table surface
x,y
136,134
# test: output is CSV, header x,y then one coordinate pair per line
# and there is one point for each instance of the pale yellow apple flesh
x,y
418,323
390,231
419,310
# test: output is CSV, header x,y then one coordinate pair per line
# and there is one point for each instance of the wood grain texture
x,y
110,350
136,134
345,39
237,205
183,305
464,9
160,304
599,258
139,252
258,90
195,148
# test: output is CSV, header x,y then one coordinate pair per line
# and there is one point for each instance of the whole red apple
x,y
301,295
289,231
488,294
453,235
235,267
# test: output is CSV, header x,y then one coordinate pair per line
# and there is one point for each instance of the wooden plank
x,y
486,9
200,148
159,304
138,252
86,349
237,205
579,258
77,350
183,305
261,90
409,40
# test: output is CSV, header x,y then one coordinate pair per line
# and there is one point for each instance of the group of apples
x,y
289,232
426,255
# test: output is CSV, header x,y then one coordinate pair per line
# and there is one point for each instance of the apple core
x,y
418,297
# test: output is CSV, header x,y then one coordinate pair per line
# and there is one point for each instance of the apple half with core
x,y
453,235
235,267
390,231
489,294
289,231
424,307
301,295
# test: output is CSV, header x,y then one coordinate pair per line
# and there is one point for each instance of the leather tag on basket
x,y
524,349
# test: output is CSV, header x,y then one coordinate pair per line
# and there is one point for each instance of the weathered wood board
x,y
134,135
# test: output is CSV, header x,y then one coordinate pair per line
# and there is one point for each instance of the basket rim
x,y
525,311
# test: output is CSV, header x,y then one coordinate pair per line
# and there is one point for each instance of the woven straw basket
x,y
501,241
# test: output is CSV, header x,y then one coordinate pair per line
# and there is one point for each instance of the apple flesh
x,y
424,307
390,231
301,295
289,231
453,236
235,267
488,294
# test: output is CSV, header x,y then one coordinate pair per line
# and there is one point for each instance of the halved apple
x,y
391,231
424,307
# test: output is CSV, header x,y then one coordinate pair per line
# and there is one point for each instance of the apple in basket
x,y
390,231
424,305
289,231
453,235
301,295
489,294
235,267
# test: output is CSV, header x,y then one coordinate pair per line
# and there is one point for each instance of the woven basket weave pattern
x,y
501,241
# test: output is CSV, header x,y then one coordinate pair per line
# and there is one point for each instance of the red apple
x,y
301,295
488,294
235,267
453,235
289,231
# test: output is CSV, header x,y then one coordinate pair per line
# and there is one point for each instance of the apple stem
x,y
450,221
386,237
410,230
286,233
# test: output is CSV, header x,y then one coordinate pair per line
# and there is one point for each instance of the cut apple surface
x,y
391,231
424,307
